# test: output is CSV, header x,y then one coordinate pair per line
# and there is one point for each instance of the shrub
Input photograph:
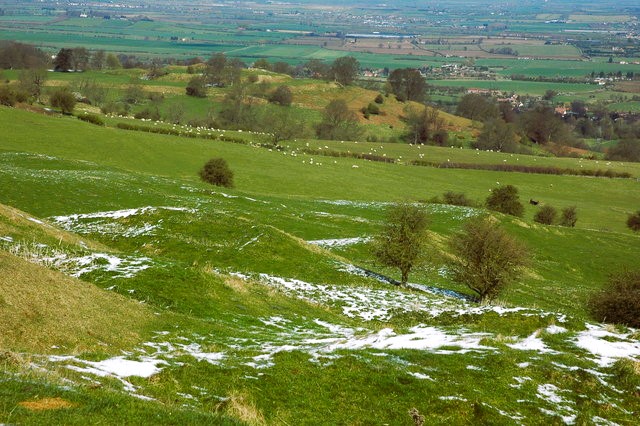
x,y
92,118
217,172
379,99
196,88
505,200
281,96
7,97
456,199
546,215
619,301
569,216
116,108
63,99
148,114
487,259
373,109
633,221
440,138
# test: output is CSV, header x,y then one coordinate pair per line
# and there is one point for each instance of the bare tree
x,y
487,259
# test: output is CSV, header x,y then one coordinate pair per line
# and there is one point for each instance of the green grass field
x,y
241,313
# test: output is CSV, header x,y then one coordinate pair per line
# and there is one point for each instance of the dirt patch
x,y
47,404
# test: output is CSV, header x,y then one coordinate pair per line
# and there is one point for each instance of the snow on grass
x,y
110,222
420,337
607,346
554,329
532,343
361,302
340,242
563,407
118,368
78,264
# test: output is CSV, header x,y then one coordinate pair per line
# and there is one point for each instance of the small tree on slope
x,y
401,242
487,259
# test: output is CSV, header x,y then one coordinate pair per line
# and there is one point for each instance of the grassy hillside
x,y
243,300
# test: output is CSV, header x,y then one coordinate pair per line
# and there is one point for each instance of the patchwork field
x,y
178,302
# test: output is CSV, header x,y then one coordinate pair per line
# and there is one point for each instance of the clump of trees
x,y
402,240
344,70
487,259
619,300
282,95
505,199
338,122
425,126
625,150
196,87
217,172
407,84
477,107
498,135
63,98
15,55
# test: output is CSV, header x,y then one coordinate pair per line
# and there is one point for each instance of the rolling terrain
x,y
148,294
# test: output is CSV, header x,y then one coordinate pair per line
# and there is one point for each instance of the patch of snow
x,y
420,376
420,337
76,266
554,329
107,222
550,393
532,343
452,398
7,239
606,352
33,219
599,421
340,242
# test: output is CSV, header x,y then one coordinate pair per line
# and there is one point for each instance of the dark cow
x,y
533,202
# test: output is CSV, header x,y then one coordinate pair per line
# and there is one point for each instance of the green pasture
x,y
603,203
194,304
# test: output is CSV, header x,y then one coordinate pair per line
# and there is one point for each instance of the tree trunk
x,y
405,277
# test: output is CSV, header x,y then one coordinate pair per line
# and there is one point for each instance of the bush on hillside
x,y
92,118
546,215
505,200
619,301
569,216
456,199
486,258
633,221
148,114
7,96
196,87
63,98
281,96
379,99
217,172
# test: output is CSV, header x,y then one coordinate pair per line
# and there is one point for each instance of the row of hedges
x,y
545,170
342,154
175,132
